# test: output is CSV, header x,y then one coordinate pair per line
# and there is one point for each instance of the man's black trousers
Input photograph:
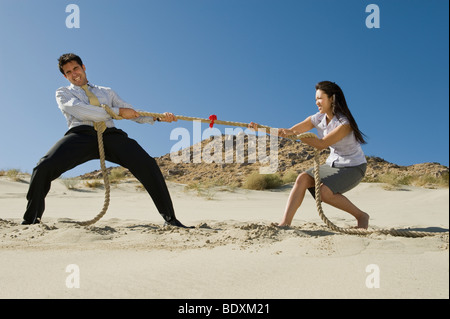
x,y
80,145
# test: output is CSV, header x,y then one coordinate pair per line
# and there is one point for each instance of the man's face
x,y
75,73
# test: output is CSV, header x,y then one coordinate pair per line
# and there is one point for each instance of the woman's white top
x,y
346,152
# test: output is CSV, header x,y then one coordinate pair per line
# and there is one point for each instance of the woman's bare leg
x,y
343,203
303,182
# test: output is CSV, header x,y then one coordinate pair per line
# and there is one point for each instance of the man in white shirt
x,y
80,144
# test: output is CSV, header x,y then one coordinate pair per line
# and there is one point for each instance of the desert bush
x,y
205,190
290,177
116,174
93,184
394,181
70,183
423,180
13,174
258,181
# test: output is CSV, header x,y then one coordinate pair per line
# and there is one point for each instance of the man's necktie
x,y
93,100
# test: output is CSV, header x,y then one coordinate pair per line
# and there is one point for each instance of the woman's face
x,y
323,102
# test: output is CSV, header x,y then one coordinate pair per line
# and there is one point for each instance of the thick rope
x,y
350,231
101,151
358,231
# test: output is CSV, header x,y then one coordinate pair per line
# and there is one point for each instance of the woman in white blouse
x,y
346,165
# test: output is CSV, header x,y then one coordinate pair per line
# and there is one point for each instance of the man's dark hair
x,y
66,58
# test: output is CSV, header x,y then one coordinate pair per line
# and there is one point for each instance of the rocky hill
x,y
293,158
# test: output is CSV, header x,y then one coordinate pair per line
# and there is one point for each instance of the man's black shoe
x,y
26,222
175,222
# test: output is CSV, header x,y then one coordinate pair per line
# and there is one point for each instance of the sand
x,y
233,251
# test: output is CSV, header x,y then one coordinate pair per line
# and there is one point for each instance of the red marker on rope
x,y
212,118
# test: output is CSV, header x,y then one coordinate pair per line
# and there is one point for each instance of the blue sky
x,y
243,60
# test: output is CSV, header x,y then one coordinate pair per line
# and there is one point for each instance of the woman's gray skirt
x,y
339,179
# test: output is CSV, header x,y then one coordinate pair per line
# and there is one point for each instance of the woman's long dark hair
x,y
339,106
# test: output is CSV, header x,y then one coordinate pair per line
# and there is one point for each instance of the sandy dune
x,y
233,251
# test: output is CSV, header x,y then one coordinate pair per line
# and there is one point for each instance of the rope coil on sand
x,y
213,119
